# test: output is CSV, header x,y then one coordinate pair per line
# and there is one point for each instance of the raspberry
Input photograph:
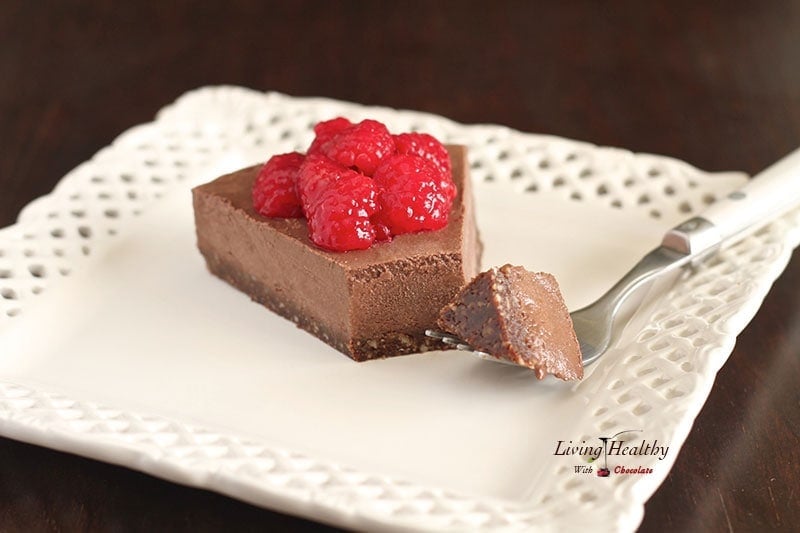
x,y
382,231
411,195
361,146
339,219
346,209
426,146
274,191
316,175
325,132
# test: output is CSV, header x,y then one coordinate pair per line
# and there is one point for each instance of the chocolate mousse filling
x,y
367,304
519,316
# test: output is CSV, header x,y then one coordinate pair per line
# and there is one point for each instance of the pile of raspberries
x,y
358,184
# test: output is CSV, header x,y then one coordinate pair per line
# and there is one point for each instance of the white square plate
x,y
116,343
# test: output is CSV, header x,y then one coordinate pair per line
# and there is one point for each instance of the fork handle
x,y
764,198
767,196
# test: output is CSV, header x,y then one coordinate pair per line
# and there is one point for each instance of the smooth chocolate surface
x,y
517,315
368,303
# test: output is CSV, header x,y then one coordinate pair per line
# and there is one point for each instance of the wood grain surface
x,y
716,84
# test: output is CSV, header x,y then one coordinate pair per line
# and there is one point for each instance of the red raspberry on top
x,y
411,195
325,132
316,175
274,192
428,147
339,218
382,231
361,146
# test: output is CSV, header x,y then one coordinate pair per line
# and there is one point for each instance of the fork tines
x,y
454,341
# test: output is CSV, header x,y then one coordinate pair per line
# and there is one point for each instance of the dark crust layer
x,y
367,304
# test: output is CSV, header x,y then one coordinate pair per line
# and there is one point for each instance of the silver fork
x,y
764,198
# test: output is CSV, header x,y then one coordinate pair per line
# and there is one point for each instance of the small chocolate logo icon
x,y
605,472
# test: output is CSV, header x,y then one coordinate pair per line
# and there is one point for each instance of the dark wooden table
x,y
716,86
